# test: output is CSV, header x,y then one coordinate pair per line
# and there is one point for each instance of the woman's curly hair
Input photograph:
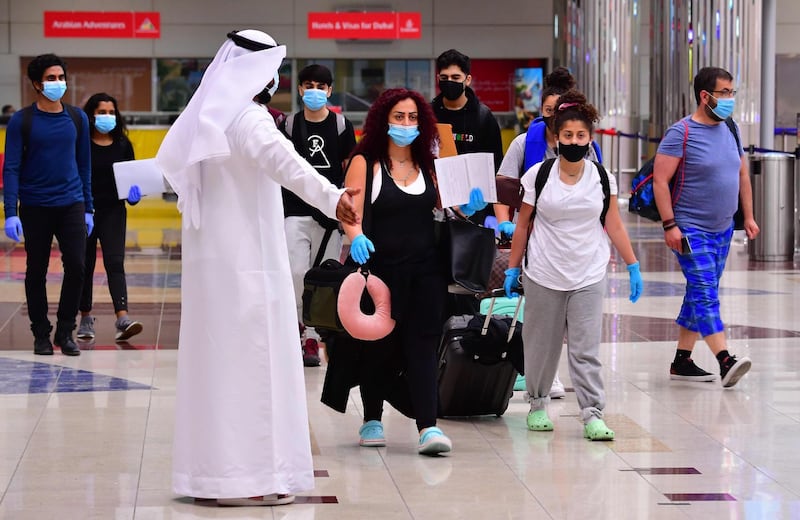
x,y
375,140
557,83
573,106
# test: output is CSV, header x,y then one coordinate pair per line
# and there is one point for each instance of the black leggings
x,y
414,341
109,228
40,225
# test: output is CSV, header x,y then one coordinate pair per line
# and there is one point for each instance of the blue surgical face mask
x,y
724,108
104,123
314,99
54,90
403,135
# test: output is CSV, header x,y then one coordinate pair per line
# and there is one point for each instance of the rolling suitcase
x,y
476,375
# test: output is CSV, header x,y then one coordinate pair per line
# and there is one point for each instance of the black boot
x,y
63,338
41,338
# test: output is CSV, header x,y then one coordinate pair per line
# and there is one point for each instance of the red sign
x,y
101,24
493,81
365,26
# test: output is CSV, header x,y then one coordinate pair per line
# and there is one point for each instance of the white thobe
x,y
241,420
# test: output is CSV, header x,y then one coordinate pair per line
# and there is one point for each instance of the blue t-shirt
x,y
709,195
55,172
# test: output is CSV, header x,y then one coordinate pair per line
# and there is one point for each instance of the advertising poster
x,y
527,94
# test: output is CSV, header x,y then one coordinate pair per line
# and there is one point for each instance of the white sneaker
x,y
557,390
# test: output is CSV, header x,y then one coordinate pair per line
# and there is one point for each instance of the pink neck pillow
x,y
367,327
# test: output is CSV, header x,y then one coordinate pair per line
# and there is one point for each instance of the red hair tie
x,y
564,106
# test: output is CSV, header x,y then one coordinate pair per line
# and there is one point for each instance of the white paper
x,y
144,173
457,176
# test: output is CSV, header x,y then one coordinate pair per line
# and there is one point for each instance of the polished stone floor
x,y
90,436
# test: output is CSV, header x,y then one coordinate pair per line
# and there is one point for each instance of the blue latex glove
x,y
134,195
636,281
512,281
89,219
476,202
14,228
361,248
507,228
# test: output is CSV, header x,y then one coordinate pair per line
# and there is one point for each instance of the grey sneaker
x,y
126,328
86,328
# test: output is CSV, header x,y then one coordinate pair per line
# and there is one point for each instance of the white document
x,y
457,176
144,173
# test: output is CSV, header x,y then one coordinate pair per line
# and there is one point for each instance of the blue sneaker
x,y
519,384
434,442
371,433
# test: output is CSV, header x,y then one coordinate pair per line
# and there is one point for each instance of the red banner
x,y
102,24
365,26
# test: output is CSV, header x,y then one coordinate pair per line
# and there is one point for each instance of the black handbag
x,y
471,250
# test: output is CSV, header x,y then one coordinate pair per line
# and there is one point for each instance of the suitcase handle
x,y
496,293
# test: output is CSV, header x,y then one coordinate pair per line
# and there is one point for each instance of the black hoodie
x,y
474,126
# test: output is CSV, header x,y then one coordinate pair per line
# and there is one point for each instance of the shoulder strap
x,y
27,123
597,151
541,180
340,124
677,186
366,216
606,191
322,247
76,117
732,128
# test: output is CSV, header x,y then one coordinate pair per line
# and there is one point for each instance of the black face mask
x,y
548,121
573,152
451,90
264,97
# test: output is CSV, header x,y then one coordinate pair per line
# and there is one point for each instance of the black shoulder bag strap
x,y
606,191
541,180
322,246
300,126
738,217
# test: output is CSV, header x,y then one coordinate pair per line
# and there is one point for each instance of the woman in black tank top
x,y
396,158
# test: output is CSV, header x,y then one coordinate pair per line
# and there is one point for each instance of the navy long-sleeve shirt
x,y
56,171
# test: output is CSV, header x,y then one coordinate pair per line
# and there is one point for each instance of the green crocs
x,y
538,421
519,383
597,430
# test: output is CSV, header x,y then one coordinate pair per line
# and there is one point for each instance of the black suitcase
x,y
476,376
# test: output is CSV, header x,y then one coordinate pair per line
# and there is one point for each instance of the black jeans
x,y
39,225
109,228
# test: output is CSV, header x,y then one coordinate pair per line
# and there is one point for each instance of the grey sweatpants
x,y
549,315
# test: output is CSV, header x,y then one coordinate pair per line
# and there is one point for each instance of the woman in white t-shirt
x,y
565,260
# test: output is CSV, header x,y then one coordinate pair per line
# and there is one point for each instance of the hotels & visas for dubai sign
x,y
365,25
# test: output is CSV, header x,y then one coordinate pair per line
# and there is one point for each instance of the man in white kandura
x,y
241,425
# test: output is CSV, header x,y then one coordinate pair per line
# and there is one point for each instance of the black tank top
x,y
402,224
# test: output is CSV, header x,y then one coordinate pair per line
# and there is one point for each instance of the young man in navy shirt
x,y
47,173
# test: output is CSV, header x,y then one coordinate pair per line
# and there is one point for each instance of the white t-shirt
x,y
568,248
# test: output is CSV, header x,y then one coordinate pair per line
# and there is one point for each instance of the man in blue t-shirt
x,y
702,153
47,171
